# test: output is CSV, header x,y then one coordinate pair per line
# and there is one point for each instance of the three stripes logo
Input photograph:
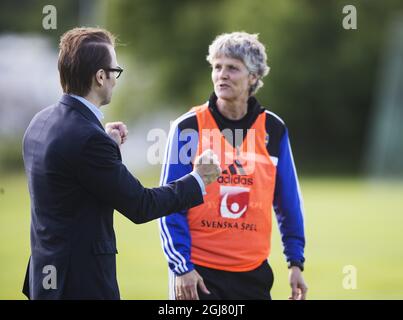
x,y
232,168
235,174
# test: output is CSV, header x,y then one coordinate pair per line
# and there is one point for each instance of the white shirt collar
x,y
95,110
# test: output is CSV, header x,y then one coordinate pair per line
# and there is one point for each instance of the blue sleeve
x,y
288,204
174,229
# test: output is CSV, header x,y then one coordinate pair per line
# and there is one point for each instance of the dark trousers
x,y
226,285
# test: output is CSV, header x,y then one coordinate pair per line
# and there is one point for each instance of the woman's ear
x,y
252,79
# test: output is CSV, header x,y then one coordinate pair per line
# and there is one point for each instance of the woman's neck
x,y
233,110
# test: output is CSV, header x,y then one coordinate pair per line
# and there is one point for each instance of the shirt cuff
x,y
200,181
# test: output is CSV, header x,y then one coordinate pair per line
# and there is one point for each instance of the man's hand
x,y
117,131
297,283
186,286
208,166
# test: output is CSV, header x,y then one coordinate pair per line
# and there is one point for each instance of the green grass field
x,y
348,222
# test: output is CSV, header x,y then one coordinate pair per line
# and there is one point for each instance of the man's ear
x,y
100,77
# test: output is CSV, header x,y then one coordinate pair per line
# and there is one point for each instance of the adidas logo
x,y
235,174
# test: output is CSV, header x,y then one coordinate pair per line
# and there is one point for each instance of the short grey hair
x,y
245,47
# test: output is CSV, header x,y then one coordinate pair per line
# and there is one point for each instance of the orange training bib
x,y
231,230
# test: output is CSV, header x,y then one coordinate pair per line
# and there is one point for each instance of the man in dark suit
x,y
76,179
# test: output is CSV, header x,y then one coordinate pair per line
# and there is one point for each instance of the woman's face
x,y
231,79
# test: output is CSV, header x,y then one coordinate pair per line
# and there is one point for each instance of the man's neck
x,y
94,99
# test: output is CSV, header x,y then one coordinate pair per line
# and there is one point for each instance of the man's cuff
x,y
200,181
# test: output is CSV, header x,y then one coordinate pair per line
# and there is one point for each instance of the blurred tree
x,y
165,44
25,48
25,16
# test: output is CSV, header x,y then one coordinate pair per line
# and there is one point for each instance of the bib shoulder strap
x,y
200,108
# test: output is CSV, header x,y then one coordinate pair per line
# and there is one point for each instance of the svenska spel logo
x,y
234,201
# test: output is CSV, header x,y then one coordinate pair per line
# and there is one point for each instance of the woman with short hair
x,y
219,250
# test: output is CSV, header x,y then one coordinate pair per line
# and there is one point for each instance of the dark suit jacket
x,y
76,179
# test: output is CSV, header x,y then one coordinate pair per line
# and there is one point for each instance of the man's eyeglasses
x,y
119,71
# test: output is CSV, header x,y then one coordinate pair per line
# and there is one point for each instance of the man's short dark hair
x,y
83,51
